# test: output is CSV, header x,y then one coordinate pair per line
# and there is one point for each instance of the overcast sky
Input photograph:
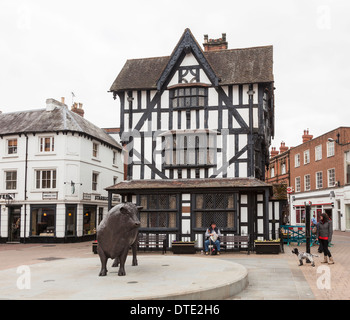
x,y
49,49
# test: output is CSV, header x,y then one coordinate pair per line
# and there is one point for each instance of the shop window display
x,y
89,220
43,221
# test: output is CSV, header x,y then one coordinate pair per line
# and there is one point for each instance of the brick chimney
x,y
273,152
215,44
306,136
283,147
78,109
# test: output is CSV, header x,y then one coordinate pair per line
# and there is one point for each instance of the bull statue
x,y
116,233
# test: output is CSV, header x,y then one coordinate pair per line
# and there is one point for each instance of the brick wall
x,y
327,162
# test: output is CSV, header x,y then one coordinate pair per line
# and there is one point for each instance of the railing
x,y
296,234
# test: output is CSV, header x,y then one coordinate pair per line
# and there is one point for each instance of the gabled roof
x,y
58,120
186,44
231,66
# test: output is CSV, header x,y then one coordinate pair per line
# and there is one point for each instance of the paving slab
x,y
156,277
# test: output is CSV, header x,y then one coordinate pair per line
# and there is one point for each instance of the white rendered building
x,y
54,166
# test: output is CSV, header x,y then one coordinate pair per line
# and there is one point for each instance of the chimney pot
x,y
215,44
306,136
78,109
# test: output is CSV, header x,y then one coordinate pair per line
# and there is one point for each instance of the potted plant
x,y
180,247
268,246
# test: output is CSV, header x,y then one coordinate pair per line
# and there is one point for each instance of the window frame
x,y
297,184
179,153
158,209
10,181
328,177
318,152
52,209
95,183
317,180
283,168
330,149
297,160
95,151
307,158
307,184
211,212
52,179
15,148
42,144
186,95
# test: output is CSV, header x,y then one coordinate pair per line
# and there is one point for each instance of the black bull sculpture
x,y
115,234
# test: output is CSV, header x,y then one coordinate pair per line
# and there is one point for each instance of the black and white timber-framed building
x,y
197,126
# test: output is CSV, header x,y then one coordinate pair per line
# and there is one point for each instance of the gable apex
x,y
187,44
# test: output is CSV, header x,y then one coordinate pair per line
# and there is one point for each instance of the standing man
x,y
212,235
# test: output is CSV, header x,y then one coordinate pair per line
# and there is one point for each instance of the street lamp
x,y
337,141
308,224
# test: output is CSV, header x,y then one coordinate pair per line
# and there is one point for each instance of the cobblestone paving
x,y
331,282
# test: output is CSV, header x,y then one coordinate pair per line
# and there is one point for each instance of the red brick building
x,y
279,171
279,165
320,173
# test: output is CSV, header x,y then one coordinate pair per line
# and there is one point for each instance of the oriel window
x,y
188,97
186,149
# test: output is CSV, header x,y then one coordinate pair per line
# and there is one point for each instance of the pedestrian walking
x,y
324,234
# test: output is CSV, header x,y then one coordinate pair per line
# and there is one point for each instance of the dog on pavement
x,y
304,255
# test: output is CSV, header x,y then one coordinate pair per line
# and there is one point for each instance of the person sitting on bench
x,y
212,236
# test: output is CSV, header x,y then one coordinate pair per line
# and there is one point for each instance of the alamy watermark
x,y
178,146
24,280
324,21
324,280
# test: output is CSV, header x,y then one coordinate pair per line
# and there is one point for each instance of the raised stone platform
x,y
156,277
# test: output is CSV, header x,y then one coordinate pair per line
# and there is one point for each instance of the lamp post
x,y
308,225
337,141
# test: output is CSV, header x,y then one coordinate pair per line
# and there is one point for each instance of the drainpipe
x,y
25,189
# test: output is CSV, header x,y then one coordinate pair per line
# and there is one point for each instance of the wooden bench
x,y
149,241
226,241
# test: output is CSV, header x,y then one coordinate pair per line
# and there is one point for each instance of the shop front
x,y
43,221
14,224
324,201
89,221
52,222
